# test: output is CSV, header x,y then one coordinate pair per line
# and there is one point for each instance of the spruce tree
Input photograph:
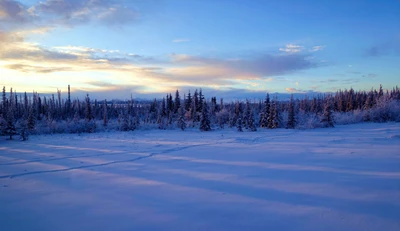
x,y
3,124
88,109
205,121
249,118
327,118
31,120
201,101
4,102
163,108
251,122
274,115
291,123
10,122
105,114
181,118
177,104
188,102
196,101
239,123
265,113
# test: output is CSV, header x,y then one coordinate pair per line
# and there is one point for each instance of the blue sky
x,y
234,48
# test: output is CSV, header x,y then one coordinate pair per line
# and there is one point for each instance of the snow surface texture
x,y
346,178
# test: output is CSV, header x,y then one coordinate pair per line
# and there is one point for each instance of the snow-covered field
x,y
345,178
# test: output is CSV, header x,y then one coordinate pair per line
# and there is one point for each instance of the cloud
x,y
36,69
182,40
292,48
73,12
252,67
32,52
67,13
12,11
317,48
388,48
329,81
371,76
293,90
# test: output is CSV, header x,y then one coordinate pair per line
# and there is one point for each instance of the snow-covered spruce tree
x,y
90,124
105,114
265,113
23,129
181,118
2,125
246,115
31,120
291,123
10,129
239,123
193,109
188,102
201,101
327,118
177,104
205,121
4,101
251,122
274,115
249,118
196,101
368,106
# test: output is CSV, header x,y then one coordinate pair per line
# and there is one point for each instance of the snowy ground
x,y
346,178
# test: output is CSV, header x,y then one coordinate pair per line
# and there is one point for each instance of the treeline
x,y
22,115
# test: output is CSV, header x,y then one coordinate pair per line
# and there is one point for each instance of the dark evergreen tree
x,y
196,101
10,129
205,121
177,104
188,102
201,101
239,123
265,113
193,110
4,102
31,121
291,123
274,115
105,114
327,118
163,108
88,109
181,118
3,125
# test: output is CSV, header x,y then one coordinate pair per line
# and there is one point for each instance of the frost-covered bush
x,y
351,117
386,110
308,121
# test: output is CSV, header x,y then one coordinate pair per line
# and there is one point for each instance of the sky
x,y
231,49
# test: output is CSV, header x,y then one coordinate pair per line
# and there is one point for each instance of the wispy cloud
x,y
256,66
36,69
182,40
292,48
317,48
73,12
13,12
293,90
371,76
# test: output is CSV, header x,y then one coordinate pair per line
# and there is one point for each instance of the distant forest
x,y
22,115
